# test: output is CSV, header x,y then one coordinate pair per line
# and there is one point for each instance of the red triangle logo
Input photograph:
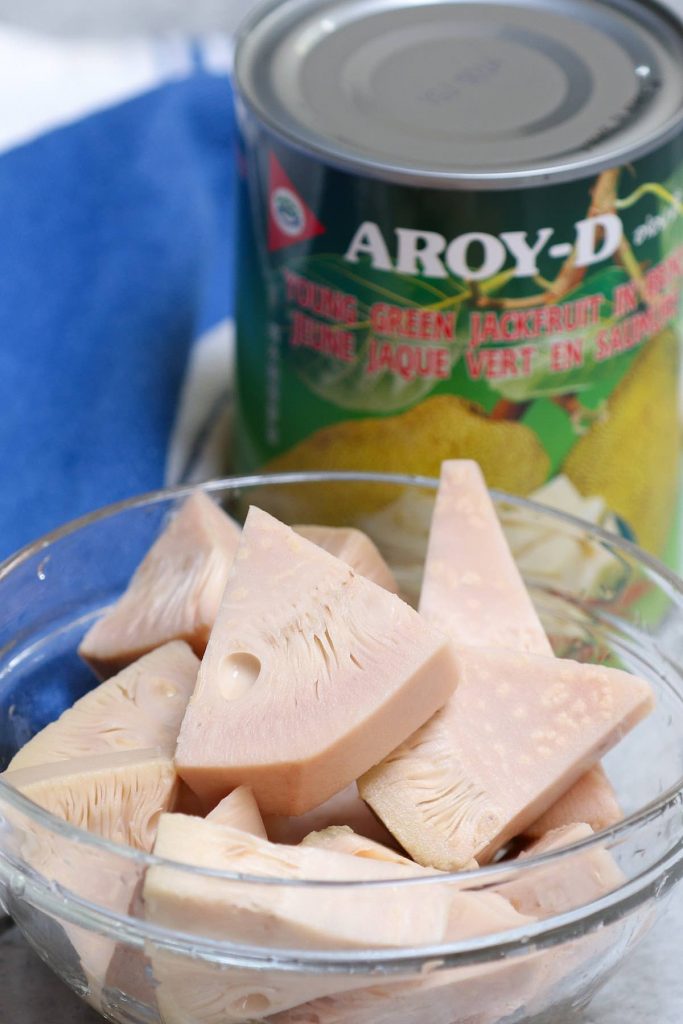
x,y
290,219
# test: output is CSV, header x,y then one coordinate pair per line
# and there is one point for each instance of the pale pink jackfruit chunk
x,y
578,879
355,548
117,796
140,708
239,810
300,916
473,591
470,995
591,800
89,873
344,808
312,674
174,593
190,992
520,729
342,839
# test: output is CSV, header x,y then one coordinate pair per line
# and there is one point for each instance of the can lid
x,y
479,92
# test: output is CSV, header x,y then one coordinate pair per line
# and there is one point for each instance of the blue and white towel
x,y
116,260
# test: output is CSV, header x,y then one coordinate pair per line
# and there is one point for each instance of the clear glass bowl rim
x,y
546,932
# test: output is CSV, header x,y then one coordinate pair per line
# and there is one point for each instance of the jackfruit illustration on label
x,y
536,331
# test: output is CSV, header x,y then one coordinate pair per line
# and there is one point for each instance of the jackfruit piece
x,y
355,548
190,992
630,457
519,731
140,708
342,839
118,796
207,994
98,876
591,800
576,880
316,917
330,671
473,591
174,593
345,808
485,994
239,810
417,441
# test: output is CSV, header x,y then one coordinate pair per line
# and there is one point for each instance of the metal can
x,y
461,235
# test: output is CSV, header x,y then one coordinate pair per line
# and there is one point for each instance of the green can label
x,y
388,327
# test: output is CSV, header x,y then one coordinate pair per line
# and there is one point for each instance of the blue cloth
x,y
115,254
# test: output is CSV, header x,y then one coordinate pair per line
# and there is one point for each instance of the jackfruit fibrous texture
x,y
311,675
117,796
301,916
519,731
174,593
140,708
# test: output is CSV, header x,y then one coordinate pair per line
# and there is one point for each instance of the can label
x,y
388,327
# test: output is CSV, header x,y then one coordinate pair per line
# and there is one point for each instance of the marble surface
x,y
647,990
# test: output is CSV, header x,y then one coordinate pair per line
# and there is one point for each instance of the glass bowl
x,y
78,899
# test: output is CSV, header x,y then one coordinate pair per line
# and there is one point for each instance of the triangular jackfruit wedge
x,y
140,708
344,808
312,674
579,878
355,548
117,796
520,729
239,810
174,593
473,590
